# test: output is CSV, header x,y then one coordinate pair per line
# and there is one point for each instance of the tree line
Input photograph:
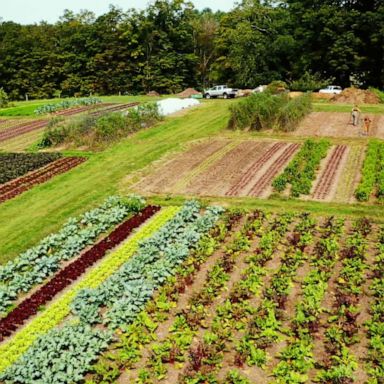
x,y
170,46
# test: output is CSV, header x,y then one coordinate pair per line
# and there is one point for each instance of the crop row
x,y
325,183
234,316
301,171
125,293
375,326
13,165
204,165
340,364
43,260
265,180
66,104
24,183
11,350
296,359
71,272
372,180
22,128
128,348
254,168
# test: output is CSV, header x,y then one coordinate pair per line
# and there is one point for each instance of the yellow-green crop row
x,y
205,165
12,349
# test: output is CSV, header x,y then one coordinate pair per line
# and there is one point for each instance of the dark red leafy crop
x,y
70,273
22,184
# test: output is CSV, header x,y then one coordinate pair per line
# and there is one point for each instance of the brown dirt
x,y
327,179
265,180
188,93
178,167
153,93
356,96
220,176
337,124
251,174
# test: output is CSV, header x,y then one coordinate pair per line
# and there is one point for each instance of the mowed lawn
x,y
36,213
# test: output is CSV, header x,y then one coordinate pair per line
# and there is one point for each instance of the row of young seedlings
x,y
119,298
297,358
127,349
232,317
266,328
340,364
375,326
172,351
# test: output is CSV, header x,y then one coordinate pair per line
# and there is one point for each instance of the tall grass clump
x,y
97,132
263,111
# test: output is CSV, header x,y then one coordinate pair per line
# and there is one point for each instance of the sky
x,y
34,11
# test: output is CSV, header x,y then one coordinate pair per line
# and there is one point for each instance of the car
x,y
332,90
220,91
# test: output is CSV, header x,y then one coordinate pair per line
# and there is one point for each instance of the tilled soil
x,y
338,124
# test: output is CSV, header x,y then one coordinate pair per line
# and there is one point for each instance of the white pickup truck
x,y
331,90
220,91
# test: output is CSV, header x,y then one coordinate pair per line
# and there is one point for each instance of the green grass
x,y
333,107
43,209
375,212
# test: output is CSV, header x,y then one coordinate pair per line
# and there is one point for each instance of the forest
x,y
171,45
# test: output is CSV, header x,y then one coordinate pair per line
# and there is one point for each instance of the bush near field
x,y
266,111
97,132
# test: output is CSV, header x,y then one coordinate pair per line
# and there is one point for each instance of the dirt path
x,y
337,124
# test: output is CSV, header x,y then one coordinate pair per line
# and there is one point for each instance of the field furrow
x,y
328,177
22,184
221,175
183,183
254,168
266,179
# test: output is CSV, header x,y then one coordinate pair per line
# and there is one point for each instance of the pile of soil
x,y
356,96
188,93
153,93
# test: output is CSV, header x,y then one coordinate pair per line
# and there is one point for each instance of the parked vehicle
x,y
332,90
220,91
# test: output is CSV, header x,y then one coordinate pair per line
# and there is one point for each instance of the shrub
x,y
96,132
3,98
266,111
277,87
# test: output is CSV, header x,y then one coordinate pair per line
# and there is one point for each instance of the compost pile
x,y
153,93
189,92
356,96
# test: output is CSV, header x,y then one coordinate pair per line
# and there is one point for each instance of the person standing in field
x,y
355,115
367,125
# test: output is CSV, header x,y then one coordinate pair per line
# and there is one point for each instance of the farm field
x,y
190,294
19,134
338,124
117,168
231,168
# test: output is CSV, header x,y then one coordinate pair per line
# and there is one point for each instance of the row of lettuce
x,y
67,330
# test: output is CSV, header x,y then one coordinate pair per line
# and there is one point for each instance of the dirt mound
x,y
188,93
153,93
356,96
